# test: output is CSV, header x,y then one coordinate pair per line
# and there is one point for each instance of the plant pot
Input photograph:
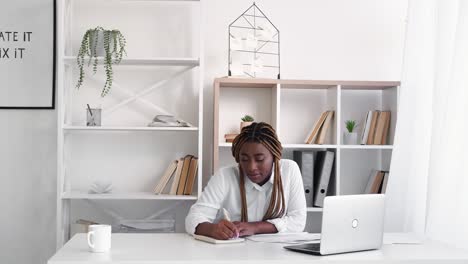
x,y
97,45
244,124
350,138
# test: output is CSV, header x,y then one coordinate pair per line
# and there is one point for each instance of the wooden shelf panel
x,y
305,84
71,60
76,195
314,146
246,82
124,128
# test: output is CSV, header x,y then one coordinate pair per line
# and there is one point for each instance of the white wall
x,y
334,39
27,189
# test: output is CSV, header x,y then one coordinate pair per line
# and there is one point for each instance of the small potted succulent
x,y
350,135
247,120
110,44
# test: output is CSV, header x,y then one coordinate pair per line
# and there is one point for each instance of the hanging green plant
x,y
113,43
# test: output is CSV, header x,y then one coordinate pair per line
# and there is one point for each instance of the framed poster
x,y
27,54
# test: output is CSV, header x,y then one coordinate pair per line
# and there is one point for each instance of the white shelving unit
x,y
293,106
161,74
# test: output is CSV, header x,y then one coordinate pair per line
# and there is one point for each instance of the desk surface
x,y
182,248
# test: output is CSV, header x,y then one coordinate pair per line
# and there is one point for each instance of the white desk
x,y
181,248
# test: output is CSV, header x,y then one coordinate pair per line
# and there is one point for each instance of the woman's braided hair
x,y
264,134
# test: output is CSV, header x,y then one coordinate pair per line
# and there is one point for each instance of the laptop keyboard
x,y
314,246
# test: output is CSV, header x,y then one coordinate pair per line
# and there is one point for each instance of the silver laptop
x,y
349,223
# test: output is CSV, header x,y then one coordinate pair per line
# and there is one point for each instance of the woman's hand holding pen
x,y
224,230
245,228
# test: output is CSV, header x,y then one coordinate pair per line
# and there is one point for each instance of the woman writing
x,y
263,193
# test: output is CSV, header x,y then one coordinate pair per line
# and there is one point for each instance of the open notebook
x,y
217,241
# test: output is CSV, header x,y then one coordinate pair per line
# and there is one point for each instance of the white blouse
x,y
223,191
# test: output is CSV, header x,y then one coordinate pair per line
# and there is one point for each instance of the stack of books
x,y
230,137
376,128
319,131
183,173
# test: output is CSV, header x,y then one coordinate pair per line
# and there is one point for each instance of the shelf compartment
x,y
132,164
235,102
301,108
71,60
76,195
357,165
356,103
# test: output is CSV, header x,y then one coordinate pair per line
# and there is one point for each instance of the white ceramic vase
x,y
244,124
350,138
99,50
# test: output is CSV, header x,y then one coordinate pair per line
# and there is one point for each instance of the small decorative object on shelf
x,y
247,120
101,186
101,42
93,116
167,121
253,46
350,136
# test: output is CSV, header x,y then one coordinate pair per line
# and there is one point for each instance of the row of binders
x,y
183,172
316,169
377,182
318,132
376,128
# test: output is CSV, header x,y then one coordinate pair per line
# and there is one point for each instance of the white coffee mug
x,y
99,238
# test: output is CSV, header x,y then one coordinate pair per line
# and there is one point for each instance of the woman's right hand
x,y
224,230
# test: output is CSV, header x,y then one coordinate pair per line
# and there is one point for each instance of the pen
x,y
228,218
226,215
89,109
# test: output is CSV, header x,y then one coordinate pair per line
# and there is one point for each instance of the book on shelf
x,y
192,173
175,181
184,175
365,131
375,182
230,137
305,161
375,117
164,179
323,130
315,129
386,128
182,172
381,130
322,171
385,182
376,128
